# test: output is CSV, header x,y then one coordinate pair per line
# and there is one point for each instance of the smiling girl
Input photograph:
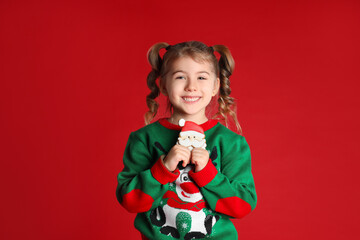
x,y
179,193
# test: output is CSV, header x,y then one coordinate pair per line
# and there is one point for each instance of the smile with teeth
x,y
191,99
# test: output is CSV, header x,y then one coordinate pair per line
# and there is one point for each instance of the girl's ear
x,y
162,87
216,87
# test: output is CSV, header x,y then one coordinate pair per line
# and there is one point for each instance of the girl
x,y
178,193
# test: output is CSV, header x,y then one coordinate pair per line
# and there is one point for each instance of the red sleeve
x,y
204,176
162,174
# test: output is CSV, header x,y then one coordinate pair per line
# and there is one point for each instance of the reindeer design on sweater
x,y
184,209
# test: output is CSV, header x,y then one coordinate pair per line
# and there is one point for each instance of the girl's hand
x,y
199,157
177,153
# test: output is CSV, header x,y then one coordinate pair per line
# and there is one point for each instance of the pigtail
x,y
227,105
155,61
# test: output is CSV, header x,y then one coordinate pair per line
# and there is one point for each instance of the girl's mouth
x,y
190,99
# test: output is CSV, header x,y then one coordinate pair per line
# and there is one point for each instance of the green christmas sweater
x,y
185,204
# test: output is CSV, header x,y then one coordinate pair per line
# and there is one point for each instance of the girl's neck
x,y
174,119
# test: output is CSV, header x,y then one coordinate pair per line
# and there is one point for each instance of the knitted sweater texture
x,y
185,204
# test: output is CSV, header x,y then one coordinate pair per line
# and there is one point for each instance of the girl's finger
x,y
186,159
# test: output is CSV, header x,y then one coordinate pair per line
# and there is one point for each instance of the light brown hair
x,y
199,52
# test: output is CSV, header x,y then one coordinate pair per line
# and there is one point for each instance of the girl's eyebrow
x,y
186,72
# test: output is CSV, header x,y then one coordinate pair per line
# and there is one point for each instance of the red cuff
x,y
204,176
162,174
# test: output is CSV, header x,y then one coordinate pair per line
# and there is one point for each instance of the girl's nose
x,y
191,85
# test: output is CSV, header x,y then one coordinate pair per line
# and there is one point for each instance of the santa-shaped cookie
x,y
192,135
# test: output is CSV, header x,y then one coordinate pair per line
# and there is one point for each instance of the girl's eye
x,y
202,78
179,77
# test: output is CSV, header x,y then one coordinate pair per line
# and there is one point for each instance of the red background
x,y
73,87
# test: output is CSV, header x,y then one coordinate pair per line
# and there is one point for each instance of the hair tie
x,y
168,47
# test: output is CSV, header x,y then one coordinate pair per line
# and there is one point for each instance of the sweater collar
x,y
206,125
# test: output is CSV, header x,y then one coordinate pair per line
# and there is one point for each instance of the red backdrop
x,y
73,87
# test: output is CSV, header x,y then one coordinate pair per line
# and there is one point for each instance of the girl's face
x,y
190,86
